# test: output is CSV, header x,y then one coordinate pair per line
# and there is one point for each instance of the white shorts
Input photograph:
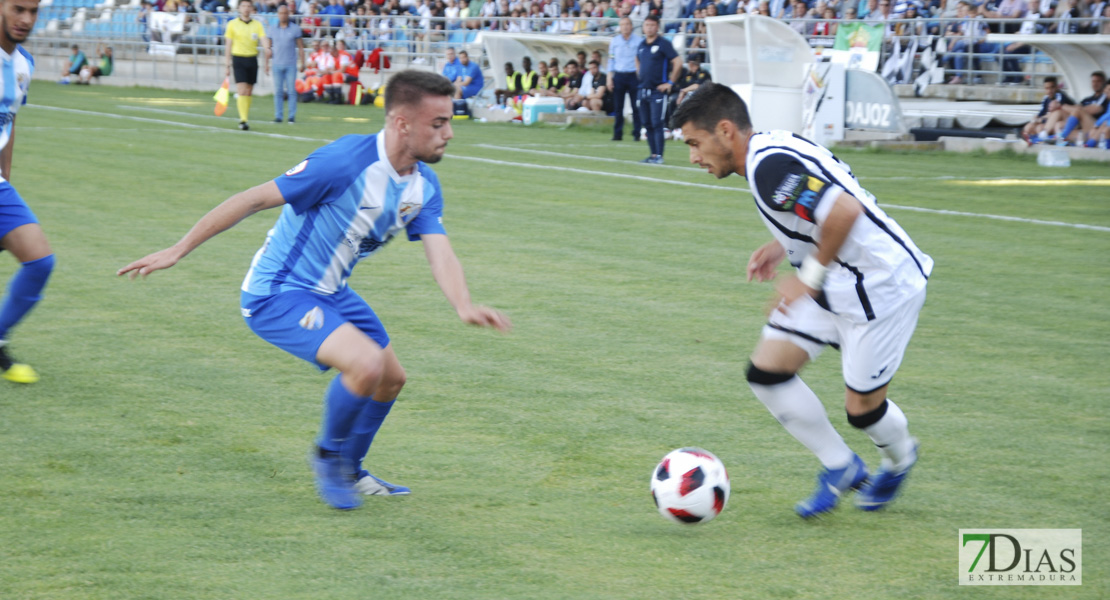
x,y
870,352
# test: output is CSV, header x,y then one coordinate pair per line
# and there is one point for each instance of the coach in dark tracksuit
x,y
622,77
658,66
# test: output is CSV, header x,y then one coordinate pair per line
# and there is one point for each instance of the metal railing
x,y
412,40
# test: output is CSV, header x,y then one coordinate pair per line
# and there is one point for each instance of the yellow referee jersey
x,y
246,38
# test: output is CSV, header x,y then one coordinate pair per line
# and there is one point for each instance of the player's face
x,y
707,151
651,29
245,10
1097,83
1050,88
19,19
430,128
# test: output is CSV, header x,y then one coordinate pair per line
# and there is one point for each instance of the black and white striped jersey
x,y
795,183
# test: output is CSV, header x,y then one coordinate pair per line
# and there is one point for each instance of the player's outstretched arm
x,y
219,219
448,273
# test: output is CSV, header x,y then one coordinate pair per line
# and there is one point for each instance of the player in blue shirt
x,y
340,205
20,232
658,66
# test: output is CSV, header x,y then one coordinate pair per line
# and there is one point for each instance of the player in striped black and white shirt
x,y
859,287
339,206
20,232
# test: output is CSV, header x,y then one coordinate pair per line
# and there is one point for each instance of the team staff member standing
x,y
285,48
244,38
658,66
339,206
20,232
622,78
860,285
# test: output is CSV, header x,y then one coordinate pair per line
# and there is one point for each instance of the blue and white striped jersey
x,y
795,183
15,79
343,203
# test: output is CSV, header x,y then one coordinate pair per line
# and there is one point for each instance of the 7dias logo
x,y
1021,557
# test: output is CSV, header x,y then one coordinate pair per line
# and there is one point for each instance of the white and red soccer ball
x,y
690,485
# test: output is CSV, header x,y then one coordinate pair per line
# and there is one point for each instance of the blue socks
x,y
1069,127
341,409
24,291
366,426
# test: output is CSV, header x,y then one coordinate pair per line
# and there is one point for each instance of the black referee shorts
x,y
245,69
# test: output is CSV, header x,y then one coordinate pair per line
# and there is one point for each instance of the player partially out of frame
x,y
340,205
859,287
20,232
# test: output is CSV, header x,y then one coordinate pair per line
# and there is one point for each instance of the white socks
x,y
891,435
802,414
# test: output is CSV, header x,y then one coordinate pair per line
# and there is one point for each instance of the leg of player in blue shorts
x,y
21,235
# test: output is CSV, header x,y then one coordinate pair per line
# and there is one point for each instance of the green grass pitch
x,y
163,453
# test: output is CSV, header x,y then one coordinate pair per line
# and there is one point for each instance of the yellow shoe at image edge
x,y
21,373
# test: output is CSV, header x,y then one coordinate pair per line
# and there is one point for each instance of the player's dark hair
x,y
409,87
1099,74
1050,79
712,104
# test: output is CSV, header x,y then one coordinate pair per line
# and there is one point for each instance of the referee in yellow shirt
x,y
244,39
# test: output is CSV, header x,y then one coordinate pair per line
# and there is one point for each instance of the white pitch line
x,y
957,213
583,157
583,171
601,173
177,123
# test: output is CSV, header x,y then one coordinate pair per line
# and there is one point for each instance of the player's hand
x,y
764,262
162,259
663,87
789,289
485,316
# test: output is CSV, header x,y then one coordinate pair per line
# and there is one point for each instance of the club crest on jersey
x,y
408,209
313,319
297,169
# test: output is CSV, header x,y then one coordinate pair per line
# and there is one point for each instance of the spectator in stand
x,y
1009,9
471,81
102,69
826,27
285,47
1104,29
451,66
514,85
1080,123
452,15
970,33
798,14
77,61
658,66
1054,100
910,26
1067,15
622,78
334,21
311,24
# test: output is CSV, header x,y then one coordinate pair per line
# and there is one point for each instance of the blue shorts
x,y
299,321
472,89
14,212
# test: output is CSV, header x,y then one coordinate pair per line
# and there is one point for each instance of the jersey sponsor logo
x,y
313,319
798,193
788,191
297,169
806,204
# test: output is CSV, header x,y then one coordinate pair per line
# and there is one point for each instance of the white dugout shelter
x,y
765,62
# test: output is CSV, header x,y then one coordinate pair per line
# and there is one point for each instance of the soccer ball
x,y
690,485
